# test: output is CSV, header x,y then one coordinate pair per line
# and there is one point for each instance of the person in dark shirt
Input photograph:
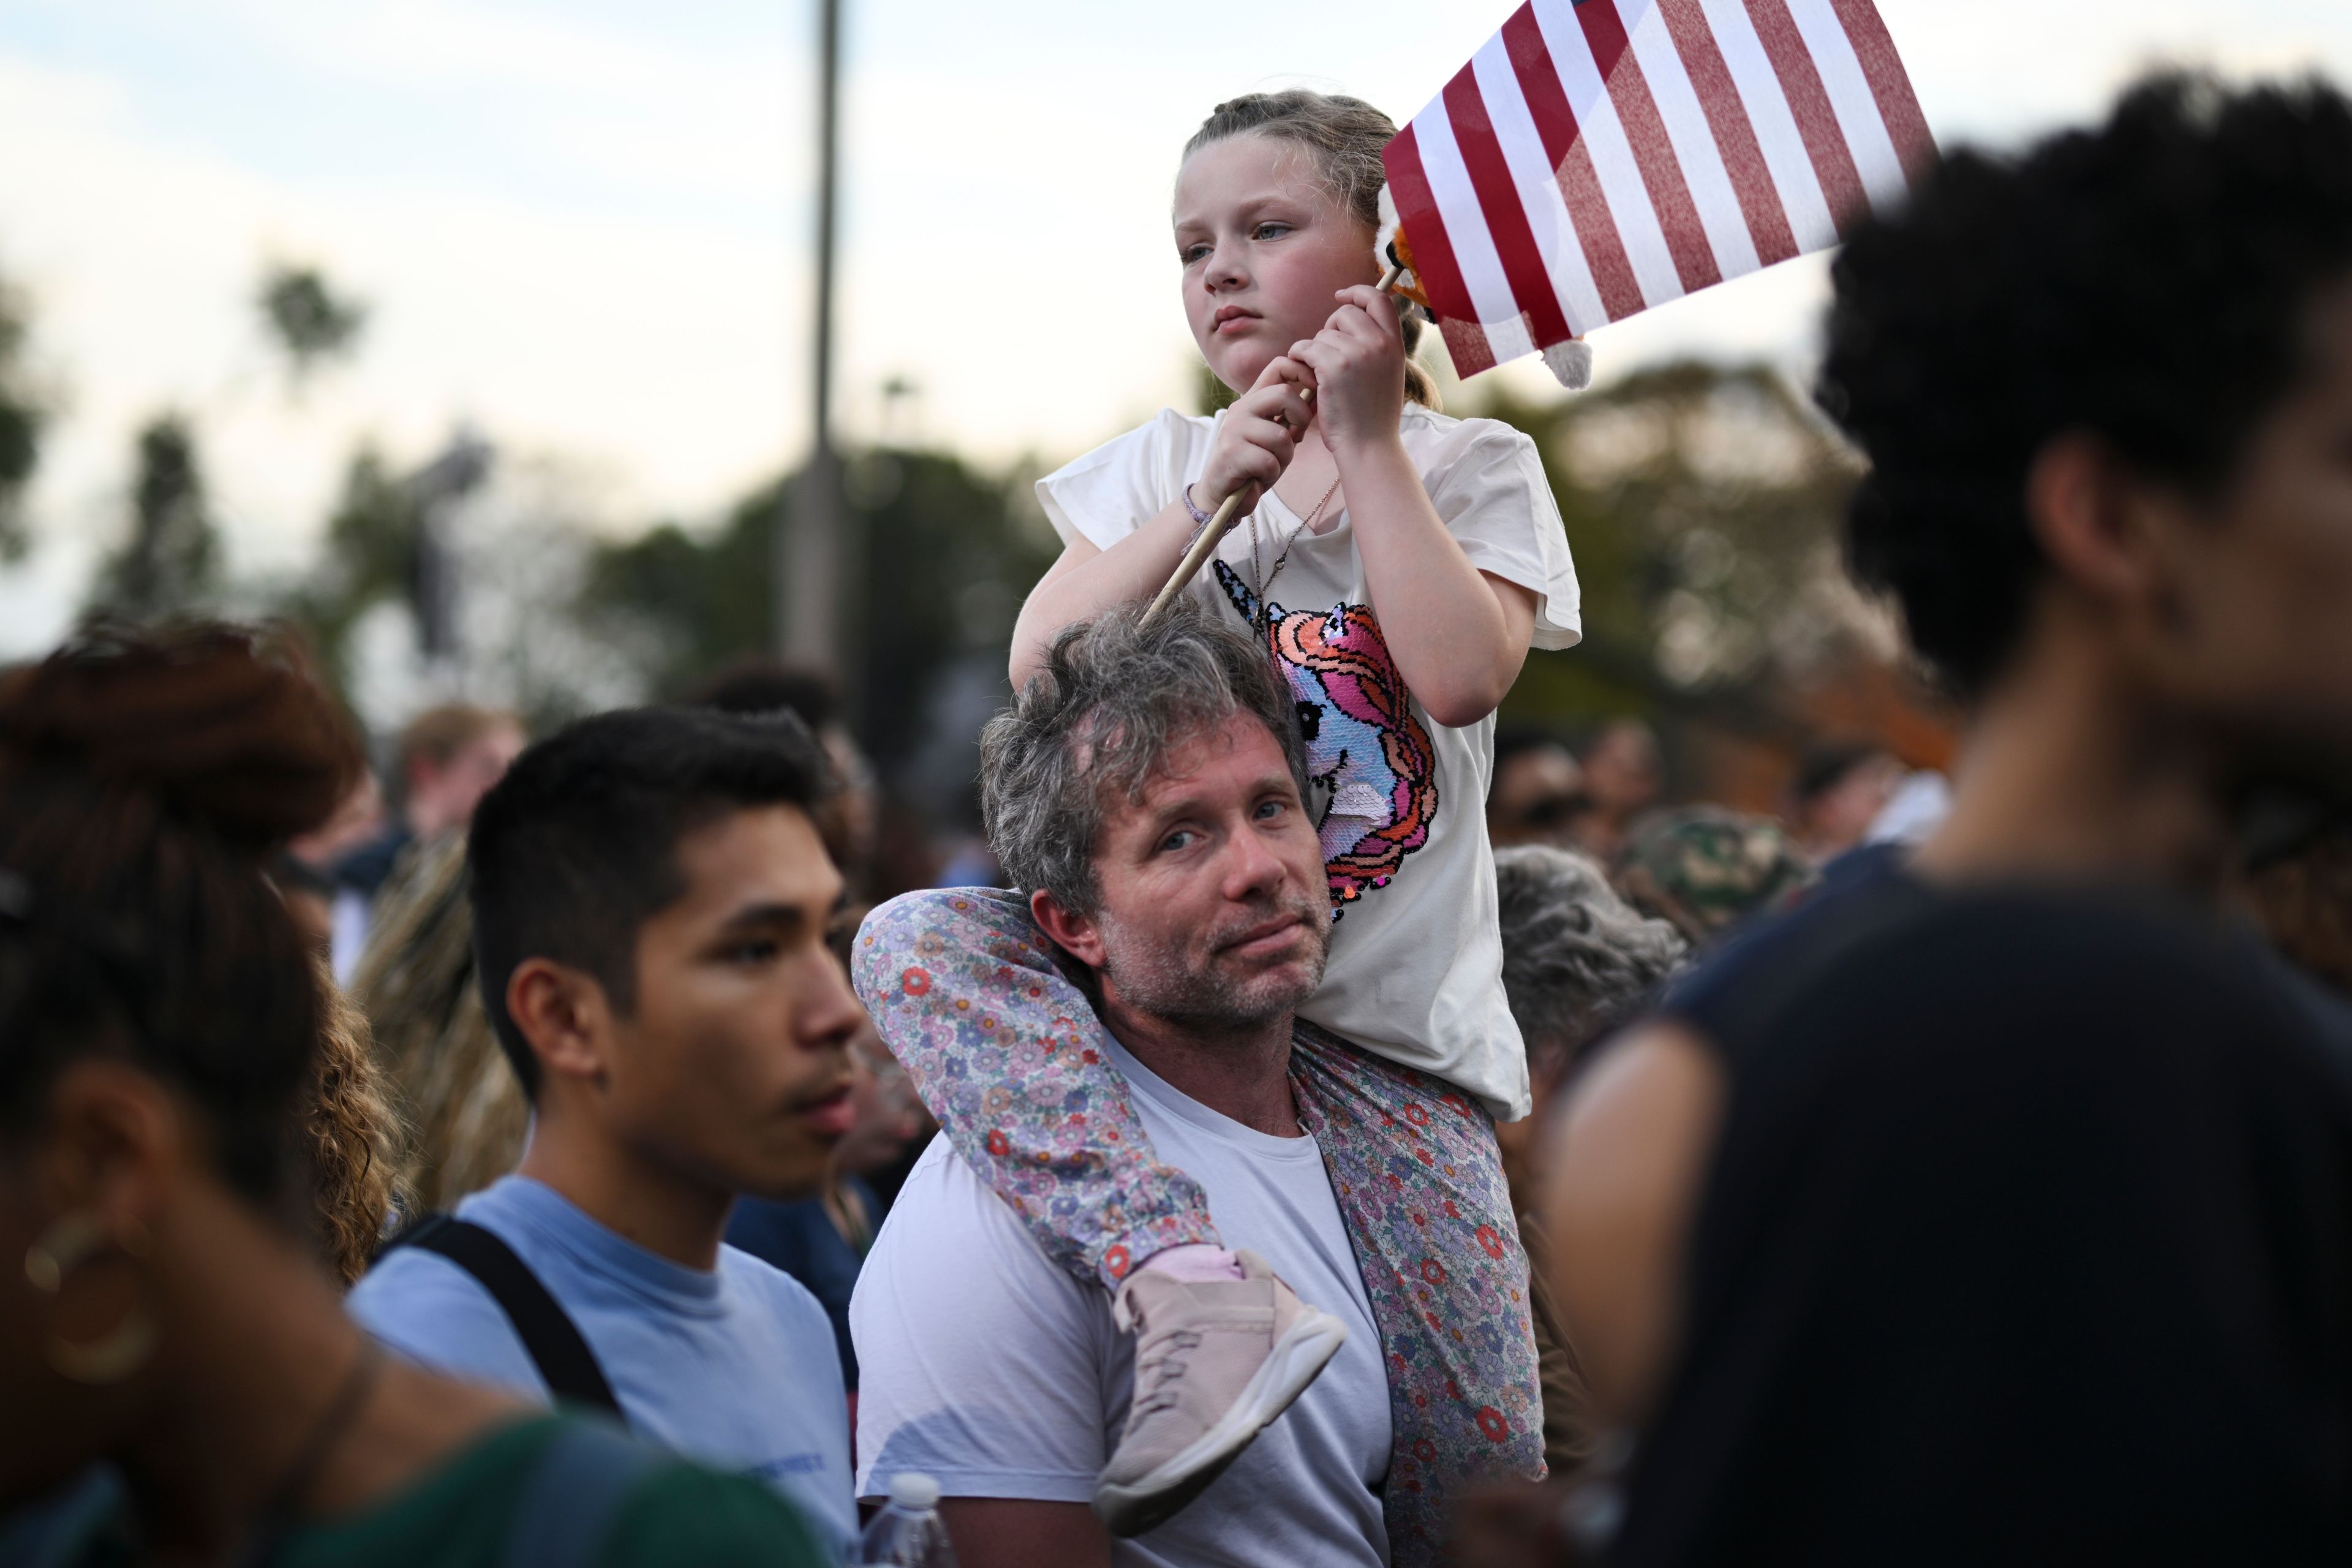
x,y
1996,1207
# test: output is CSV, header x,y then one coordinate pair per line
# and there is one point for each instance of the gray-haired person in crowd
x,y
1578,960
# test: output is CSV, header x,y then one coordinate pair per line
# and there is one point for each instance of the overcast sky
x,y
582,225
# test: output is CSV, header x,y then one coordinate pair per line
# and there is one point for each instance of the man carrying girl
x,y
1394,566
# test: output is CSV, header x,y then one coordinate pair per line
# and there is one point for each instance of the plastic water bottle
x,y
908,1533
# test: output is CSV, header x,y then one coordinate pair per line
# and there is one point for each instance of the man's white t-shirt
x,y
1416,971
986,1366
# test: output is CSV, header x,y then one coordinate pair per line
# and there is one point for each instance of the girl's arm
x,y
1085,581
1458,634
1253,446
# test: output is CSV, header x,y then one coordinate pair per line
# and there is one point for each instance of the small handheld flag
x,y
1598,157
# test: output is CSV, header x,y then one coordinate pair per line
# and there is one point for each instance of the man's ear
x,y
565,1015
1074,934
2095,519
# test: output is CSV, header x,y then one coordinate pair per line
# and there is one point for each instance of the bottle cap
x,y
912,1488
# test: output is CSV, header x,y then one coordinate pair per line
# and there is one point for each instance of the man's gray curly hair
x,y
1116,697
1577,958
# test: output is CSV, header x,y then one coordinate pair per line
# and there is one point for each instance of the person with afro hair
x,y
1996,1207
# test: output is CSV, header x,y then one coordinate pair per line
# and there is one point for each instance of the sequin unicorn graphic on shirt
x,y
1363,742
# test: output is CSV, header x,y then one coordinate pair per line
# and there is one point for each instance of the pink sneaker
x,y
1215,1362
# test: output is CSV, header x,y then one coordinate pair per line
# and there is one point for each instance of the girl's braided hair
x,y
1345,135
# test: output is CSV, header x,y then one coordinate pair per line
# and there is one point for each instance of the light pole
x,y
811,552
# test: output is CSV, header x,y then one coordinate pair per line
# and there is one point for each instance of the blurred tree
x,y
1702,506
1208,393
307,319
170,565
511,542
369,555
20,426
948,553
707,595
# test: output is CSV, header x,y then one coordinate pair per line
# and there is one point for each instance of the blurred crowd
x,y
380,890
1937,1170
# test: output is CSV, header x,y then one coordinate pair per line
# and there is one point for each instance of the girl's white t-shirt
x,y
1416,971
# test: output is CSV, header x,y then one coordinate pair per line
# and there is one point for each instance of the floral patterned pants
x,y
1006,1053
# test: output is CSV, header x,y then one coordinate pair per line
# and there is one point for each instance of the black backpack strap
x,y
567,1507
549,1335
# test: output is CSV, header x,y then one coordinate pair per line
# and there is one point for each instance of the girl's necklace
x,y
1259,584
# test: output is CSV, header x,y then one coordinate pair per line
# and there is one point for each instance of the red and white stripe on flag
x,y
1598,157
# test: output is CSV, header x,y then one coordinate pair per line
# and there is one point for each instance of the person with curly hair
x,y
178,1380
1997,1206
353,1133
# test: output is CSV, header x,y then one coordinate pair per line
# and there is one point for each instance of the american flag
x,y
1598,157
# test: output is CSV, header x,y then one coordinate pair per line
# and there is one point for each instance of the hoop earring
x,y
68,1244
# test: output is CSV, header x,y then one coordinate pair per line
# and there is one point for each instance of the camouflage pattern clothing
x,y
1706,868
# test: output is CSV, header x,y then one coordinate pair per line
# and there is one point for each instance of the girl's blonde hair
x,y
1345,136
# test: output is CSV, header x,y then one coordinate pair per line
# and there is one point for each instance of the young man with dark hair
x,y
1997,1206
650,907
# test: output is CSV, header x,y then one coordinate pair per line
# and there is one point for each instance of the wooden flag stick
x,y
1205,545
1194,558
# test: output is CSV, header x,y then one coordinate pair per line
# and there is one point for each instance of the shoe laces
x,y
1164,1367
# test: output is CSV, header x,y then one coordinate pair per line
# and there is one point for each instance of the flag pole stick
x,y
1205,543
1201,549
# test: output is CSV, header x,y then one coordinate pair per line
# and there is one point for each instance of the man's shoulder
x,y
979,1362
775,1292
437,1314
1784,955
945,1216
1890,964
952,1262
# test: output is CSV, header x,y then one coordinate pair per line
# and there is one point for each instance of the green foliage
x,y
369,555
309,323
944,552
1702,506
20,426
950,553
170,565
1208,393
706,596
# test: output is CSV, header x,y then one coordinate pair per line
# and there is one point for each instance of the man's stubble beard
x,y
1186,988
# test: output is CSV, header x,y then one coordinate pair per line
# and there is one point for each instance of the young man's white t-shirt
x,y
1416,971
984,1365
